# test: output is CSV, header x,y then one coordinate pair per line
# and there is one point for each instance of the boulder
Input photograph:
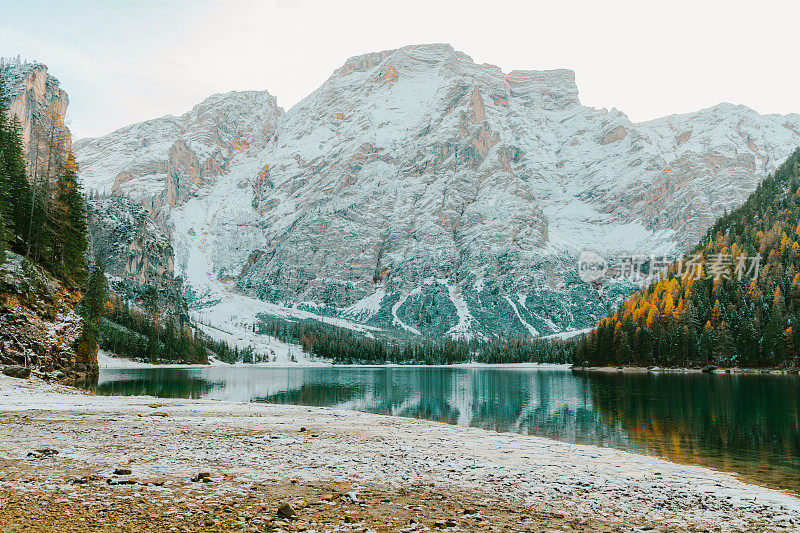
x,y
17,371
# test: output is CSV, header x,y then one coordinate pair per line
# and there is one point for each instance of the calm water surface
x,y
747,424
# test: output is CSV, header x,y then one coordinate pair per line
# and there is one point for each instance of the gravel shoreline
x,y
685,370
400,473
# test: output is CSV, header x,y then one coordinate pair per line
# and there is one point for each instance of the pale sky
x,y
123,62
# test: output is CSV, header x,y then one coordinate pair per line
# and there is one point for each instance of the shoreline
x,y
111,362
263,455
685,370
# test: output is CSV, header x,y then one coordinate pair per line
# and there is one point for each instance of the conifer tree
x,y
96,294
12,163
6,224
5,199
69,216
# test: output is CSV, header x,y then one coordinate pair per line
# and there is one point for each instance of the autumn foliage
x,y
738,306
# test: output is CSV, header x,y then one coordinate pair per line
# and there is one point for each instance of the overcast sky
x,y
123,62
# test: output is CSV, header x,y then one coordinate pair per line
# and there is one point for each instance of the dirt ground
x,y
88,502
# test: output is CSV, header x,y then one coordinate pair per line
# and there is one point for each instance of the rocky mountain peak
x,y
548,89
420,191
178,154
428,53
36,99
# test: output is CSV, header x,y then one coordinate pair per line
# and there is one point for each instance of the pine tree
x,y
96,294
6,228
70,224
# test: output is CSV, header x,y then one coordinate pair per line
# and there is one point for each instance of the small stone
x,y
470,510
202,476
286,511
328,496
302,429
300,505
439,524
42,452
123,472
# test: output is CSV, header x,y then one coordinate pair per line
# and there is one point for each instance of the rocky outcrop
x,y
37,101
39,327
135,252
165,161
419,191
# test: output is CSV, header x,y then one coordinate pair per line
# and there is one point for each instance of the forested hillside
x,y
342,345
42,250
734,300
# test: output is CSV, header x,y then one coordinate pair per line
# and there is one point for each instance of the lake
x,y
748,424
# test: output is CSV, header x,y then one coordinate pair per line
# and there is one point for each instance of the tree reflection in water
x,y
160,382
744,423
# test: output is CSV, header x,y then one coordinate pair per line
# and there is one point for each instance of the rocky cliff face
x,y
146,170
416,190
37,101
135,252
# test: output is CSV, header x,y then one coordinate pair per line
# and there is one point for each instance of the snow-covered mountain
x,y
420,191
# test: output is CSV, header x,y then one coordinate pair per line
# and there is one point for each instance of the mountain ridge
x,y
419,191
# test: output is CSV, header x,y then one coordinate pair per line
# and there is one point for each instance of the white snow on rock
x,y
416,164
